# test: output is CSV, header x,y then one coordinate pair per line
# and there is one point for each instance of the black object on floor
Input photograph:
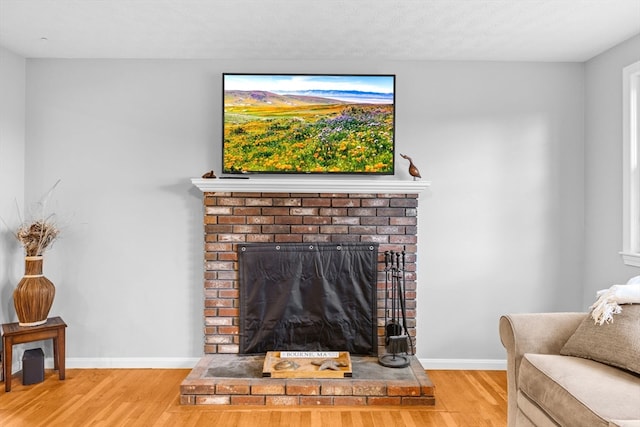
x,y
32,366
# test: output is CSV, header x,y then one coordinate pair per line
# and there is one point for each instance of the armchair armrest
x,y
542,333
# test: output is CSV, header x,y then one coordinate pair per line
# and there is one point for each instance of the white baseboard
x,y
190,362
127,362
465,364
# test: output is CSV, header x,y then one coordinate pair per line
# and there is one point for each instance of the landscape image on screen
x,y
308,123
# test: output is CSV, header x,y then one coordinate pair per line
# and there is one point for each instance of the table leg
x,y
7,350
61,353
54,341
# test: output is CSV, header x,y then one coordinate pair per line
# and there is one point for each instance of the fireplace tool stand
x,y
397,338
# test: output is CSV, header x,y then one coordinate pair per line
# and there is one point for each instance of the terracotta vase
x,y
34,295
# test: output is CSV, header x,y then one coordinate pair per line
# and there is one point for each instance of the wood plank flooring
x,y
150,397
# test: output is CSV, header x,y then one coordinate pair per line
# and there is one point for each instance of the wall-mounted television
x,y
308,124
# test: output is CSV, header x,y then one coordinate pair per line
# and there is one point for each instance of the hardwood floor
x,y
149,397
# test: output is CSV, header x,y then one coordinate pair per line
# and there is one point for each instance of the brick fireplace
x,y
299,211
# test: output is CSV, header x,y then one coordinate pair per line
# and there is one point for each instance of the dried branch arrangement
x,y
37,236
39,233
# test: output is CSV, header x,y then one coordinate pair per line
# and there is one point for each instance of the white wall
x,y
12,148
501,229
603,160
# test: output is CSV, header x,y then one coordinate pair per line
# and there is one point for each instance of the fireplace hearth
x,y
233,219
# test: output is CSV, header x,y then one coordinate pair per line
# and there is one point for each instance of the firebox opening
x,y
308,297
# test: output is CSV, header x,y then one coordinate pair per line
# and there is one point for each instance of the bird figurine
x,y
413,170
210,174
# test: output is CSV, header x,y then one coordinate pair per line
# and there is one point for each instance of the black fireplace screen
x,y
308,297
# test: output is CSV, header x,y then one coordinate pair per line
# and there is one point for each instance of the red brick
x,y
288,238
228,312
404,203
333,195
278,211
259,238
345,238
391,212
213,400
345,220
322,202
412,220
245,194
374,239
333,211
302,387
282,400
293,201
220,265
247,400
336,388
349,400
402,389
304,229
217,229
228,293
419,401
218,321
233,387
229,330
303,211
375,203
245,211
390,229
227,256
383,401
315,219
228,349
270,387
276,229
231,237
218,210
218,284
262,219
218,247
275,195
369,388
230,201
246,229
316,238
218,339
362,229
345,203
217,302
403,239
187,400
316,400
334,229
362,212
374,220
208,220
261,201
292,220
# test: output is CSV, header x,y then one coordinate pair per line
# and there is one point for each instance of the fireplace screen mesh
x,y
308,297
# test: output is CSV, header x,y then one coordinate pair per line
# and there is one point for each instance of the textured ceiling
x,y
509,30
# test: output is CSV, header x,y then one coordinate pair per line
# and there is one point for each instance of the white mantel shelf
x,y
301,185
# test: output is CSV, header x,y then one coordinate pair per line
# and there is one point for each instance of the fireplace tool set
x,y
397,339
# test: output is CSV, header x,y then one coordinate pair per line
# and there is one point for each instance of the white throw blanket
x,y
609,300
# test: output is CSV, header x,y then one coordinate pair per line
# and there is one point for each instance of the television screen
x,y
308,123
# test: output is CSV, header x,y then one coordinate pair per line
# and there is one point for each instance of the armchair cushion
x,y
615,344
575,391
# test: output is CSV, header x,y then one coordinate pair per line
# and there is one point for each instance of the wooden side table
x,y
13,333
